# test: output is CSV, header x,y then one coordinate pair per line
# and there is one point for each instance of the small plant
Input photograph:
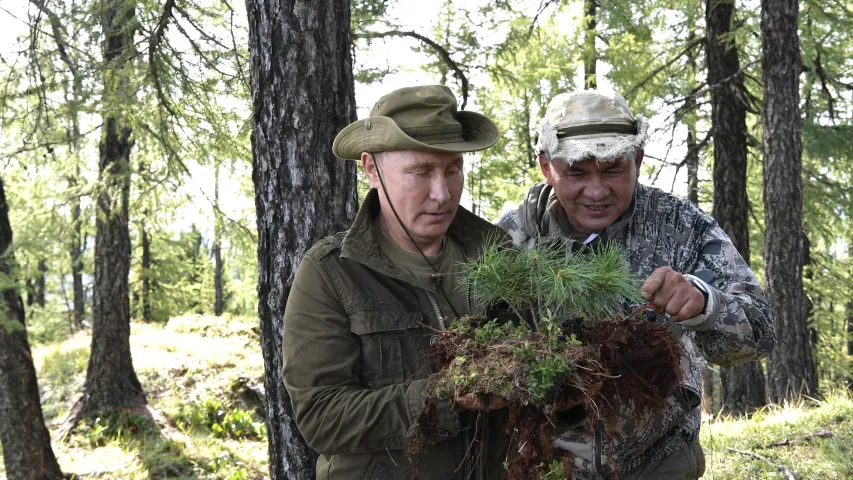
x,y
100,430
221,419
552,280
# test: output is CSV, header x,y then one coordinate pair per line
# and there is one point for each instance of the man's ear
x,y
545,166
369,166
639,159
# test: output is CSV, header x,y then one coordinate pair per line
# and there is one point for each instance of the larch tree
x,y
790,366
27,453
111,381
742,386
302,95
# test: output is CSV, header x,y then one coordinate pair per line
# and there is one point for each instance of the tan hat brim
x,y
382,134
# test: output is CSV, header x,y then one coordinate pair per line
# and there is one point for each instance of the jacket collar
x,y
537,210
361,245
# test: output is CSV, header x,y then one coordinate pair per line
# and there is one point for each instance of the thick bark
x,y
692,161
742,386
76,253
27,453
850,323
790,367
218,303
146,275
302,95
590,54
111,382
41,283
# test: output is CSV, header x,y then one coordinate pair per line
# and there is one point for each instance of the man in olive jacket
x,y
366,302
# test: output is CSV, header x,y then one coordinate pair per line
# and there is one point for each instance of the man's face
x,y
424,188
594,195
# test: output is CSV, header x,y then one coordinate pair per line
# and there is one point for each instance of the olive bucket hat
x,y
421,118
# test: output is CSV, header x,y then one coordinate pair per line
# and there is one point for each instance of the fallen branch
x,y
785,471
786,442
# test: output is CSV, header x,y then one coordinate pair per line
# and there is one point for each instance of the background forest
x,y
132,140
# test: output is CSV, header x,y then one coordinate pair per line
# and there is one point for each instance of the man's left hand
x,y
667,291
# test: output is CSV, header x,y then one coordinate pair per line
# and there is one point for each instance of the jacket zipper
x,y
599,437
436,310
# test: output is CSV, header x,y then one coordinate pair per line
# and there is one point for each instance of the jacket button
x,y
443,433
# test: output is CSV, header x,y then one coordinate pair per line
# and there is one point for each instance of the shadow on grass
x,y
160,455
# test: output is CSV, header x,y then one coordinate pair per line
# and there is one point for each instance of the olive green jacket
x,y
356,334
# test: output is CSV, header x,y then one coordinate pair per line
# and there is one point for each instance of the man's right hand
x,y
483,403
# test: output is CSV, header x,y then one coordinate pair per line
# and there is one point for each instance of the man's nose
x,y
439,190
596,189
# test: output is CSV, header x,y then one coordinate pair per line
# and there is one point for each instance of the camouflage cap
x,y
421,118
590,124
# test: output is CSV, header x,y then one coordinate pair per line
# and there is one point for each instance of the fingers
x,y
692,307
654,282
669,292
473,401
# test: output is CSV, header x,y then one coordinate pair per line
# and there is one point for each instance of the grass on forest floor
x,y
188,369
813,439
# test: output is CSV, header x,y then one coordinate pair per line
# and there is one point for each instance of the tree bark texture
x,y
41,283
76,253
27,453
218,302
590,54
302,95
742,386
850,324
111,382
790,366
146,275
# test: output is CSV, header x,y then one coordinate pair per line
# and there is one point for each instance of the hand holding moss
x,y
668,291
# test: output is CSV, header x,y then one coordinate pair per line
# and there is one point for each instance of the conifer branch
x,y
441,51
153,45
690,46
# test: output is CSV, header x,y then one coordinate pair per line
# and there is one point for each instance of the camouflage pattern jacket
x,y
737,325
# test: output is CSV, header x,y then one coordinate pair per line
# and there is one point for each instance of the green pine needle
x,y
593,282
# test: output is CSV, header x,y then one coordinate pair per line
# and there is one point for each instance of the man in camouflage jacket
x,y
590,151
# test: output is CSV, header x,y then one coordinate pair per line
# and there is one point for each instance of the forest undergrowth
x,y
201,374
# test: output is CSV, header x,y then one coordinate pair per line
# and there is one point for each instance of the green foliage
x,y
221,419
590,282
114,426
542,374
61,375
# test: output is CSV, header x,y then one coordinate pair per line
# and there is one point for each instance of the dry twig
x,y
785,471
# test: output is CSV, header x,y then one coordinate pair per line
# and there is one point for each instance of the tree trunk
x,y
41,283
742,386
111,382
590,54
76,252
302,95
850,321
146,275
790,366
218,304
27,453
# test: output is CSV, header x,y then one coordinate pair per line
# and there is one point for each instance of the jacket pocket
x,y
380,470
382,332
